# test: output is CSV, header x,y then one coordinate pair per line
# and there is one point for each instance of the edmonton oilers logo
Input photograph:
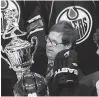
x,y
80,19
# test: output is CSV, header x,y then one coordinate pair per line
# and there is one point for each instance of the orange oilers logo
x,y
80,19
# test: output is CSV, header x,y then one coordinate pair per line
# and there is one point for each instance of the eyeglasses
x,y
53,43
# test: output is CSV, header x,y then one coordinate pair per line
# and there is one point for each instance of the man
x,y
76,12
62,37
84,16
96,40
87,85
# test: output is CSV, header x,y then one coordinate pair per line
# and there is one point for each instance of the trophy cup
x,y
18,51
19,54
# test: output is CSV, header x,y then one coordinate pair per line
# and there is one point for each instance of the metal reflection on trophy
x,y
19,53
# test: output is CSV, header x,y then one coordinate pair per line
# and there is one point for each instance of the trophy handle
x,y
35,46
4,57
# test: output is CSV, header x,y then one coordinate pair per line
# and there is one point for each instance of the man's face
x,y
54,44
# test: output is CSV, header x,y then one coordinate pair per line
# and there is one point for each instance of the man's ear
x,y
68,46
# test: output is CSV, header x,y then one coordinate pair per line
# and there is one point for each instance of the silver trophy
x,y
18,51
19,54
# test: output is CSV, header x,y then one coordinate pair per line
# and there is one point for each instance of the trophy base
x,y
21,72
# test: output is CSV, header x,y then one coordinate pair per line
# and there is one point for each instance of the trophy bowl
x,y
19,53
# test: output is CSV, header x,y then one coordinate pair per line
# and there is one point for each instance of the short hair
x,y
70,34
96,37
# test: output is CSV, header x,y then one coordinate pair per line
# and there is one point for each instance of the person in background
x,y
89,85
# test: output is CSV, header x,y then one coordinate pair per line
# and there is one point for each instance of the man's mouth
x,y
49,50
